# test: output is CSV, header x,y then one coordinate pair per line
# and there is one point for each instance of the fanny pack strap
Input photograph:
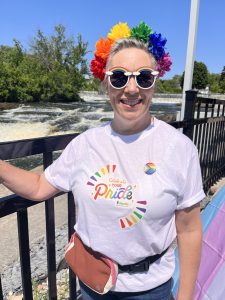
x,y
142,265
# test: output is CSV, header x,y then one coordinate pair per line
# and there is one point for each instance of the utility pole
x,y
192,37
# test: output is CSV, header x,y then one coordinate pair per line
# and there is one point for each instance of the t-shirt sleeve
x,y
59,172
192,189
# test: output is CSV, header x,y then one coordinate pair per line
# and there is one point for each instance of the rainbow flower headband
x,y
142,32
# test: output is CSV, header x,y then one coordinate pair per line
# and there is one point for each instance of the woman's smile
x,y
131,102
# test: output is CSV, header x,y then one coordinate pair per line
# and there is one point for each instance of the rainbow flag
x,y
210,284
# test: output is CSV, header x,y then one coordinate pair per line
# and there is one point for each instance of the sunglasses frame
x,y
129,74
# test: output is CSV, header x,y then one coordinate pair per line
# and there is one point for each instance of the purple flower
x,y
157,45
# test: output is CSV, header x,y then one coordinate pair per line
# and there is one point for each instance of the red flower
x,y
98,68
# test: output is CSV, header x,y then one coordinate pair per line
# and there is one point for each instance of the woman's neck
x,y
128,127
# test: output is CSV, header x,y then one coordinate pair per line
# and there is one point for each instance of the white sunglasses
x,y
144,77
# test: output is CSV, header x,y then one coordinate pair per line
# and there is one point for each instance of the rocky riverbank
x,y
11,279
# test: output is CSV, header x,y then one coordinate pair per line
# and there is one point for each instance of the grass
x,y
40,289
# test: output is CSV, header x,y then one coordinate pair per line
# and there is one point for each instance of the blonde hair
x,y
128,43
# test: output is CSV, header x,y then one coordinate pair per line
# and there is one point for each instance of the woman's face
x,y
131,103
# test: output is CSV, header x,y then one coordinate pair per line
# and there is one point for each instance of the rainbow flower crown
x,y
142,32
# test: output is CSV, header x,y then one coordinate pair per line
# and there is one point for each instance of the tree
x,y
200,76
222,76
168,85
53,70
63,63
214,82
222,80
10,60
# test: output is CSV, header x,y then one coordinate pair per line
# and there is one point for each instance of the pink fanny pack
x,y
95,270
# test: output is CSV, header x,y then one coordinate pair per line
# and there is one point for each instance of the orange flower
x,y
103,47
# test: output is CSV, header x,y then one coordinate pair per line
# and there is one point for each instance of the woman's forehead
x,y
131,59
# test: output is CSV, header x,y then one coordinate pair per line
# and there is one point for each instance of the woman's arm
x,y
26,184
189,239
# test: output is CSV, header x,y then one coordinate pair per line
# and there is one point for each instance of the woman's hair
x,y
126,43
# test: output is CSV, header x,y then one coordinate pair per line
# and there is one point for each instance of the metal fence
x,y
204,123
206,128
16,204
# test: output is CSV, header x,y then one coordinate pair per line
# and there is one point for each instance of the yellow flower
x,y
119,31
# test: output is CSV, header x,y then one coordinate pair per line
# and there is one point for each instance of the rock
x,y
11,276
5,105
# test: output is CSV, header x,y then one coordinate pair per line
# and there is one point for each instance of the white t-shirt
x,y
126,190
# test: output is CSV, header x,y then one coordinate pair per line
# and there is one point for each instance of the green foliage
x,y
200,76
169,86
222,76
214,82
222,81
92,84
53,69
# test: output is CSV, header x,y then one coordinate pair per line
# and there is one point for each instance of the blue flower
x,y
157,45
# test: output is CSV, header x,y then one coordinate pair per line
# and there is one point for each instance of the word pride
x,y
113,191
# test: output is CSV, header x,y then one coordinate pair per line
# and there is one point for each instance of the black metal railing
x,y
206,117
204,123
13,203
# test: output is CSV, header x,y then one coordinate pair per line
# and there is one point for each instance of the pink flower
x,y
164,64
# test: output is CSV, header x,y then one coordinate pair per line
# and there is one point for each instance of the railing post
x,y
71,222
1,292
50,236
190,101
24,250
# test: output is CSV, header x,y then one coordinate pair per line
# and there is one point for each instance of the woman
x,y
136,180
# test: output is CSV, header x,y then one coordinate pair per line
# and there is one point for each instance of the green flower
x,y
141,32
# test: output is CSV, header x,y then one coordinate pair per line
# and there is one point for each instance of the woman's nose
x,y
132,87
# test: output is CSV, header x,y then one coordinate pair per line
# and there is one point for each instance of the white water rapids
x,y
24,121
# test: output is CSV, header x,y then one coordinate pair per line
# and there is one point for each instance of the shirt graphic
x,y
150,168
106,185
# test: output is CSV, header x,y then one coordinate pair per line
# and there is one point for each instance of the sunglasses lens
x,y
118,79
145,79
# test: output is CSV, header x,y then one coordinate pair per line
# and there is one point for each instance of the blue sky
x,y
93,19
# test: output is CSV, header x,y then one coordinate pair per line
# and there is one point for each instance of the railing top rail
x,y
210,100
14,203
22,148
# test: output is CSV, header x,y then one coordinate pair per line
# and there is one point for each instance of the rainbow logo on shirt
x,y
109,187
149,168
102,172
135,217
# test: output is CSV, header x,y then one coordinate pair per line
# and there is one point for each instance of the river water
x,y
23,121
